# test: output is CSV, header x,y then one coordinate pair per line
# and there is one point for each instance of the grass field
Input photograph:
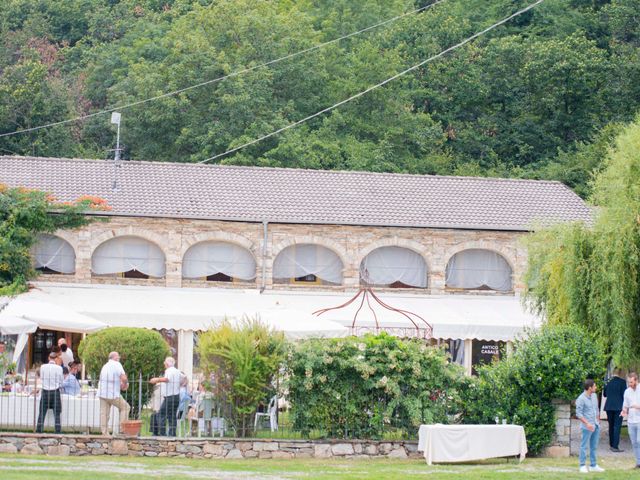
x,y
101,468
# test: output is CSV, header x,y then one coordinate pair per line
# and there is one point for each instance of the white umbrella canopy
x,y
50,316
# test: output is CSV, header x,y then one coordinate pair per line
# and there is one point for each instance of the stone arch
x,y
153,238
244,245
506,253
329,245
129,231
70,237
189,241
335,247
503,253
70,240
394,241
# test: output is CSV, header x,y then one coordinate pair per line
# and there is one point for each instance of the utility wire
x,y
224,77
378,85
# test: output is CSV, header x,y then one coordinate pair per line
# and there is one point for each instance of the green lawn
x,y
100,468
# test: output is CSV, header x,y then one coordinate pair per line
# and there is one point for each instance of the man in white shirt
x,y
631,410
65,352
51,378
112,380
171,393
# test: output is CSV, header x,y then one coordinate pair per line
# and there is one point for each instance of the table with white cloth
x,y
465,443
79,413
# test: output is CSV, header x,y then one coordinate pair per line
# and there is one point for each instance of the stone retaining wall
x,y
79,445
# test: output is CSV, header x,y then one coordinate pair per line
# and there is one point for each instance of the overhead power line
x,y
224,77
376,86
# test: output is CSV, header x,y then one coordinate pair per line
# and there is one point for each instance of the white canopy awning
x,y
452,316
298,324
11,325
51,315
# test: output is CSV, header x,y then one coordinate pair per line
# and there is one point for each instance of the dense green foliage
x,y
589,276
23,215
550,364
363,387
242,361
142,352
528,99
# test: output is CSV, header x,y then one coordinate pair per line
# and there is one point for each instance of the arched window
x,y
219,261
478,269
307,263
53,254
394,267
129,257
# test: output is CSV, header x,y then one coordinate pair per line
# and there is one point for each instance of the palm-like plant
x,y
243,361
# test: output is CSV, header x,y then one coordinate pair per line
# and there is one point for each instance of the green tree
x,y
525,99
589,275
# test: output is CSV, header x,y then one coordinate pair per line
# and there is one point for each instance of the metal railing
x,y
32,404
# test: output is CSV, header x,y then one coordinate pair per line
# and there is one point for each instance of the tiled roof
x,y
280,195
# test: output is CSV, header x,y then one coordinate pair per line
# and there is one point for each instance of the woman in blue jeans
x,y
588,413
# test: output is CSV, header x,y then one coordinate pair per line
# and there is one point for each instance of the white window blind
x,y
209,258
388,265
122,254
477,268
307,259
54,253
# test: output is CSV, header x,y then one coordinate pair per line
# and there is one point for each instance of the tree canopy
x,y
535,98
589,275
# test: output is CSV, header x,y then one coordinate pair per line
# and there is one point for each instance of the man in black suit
x,y
614,391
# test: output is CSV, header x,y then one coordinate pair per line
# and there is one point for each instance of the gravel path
x,y
603,446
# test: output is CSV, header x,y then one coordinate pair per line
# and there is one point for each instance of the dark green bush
x,y
364,387
550,364
141,351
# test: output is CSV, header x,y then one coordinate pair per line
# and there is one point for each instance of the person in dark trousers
x,y
171,397
51,378
614,391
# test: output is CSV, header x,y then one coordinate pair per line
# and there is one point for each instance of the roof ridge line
x,y
291,169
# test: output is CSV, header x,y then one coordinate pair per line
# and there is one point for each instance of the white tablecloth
x,y
464,443
78,413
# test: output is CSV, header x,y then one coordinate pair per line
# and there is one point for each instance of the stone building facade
x,y
335,220
351,243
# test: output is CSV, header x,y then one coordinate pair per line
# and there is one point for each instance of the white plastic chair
x,y
208,421
271,414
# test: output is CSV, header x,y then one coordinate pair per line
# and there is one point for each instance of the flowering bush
x,y
361,387
25,213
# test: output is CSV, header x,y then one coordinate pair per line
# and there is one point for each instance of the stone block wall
x,y
229,448
561,441
351,243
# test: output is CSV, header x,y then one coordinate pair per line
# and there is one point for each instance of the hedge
x,y
368,386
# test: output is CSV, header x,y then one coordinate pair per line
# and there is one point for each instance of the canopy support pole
x,y
185,352
468,347
84,373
